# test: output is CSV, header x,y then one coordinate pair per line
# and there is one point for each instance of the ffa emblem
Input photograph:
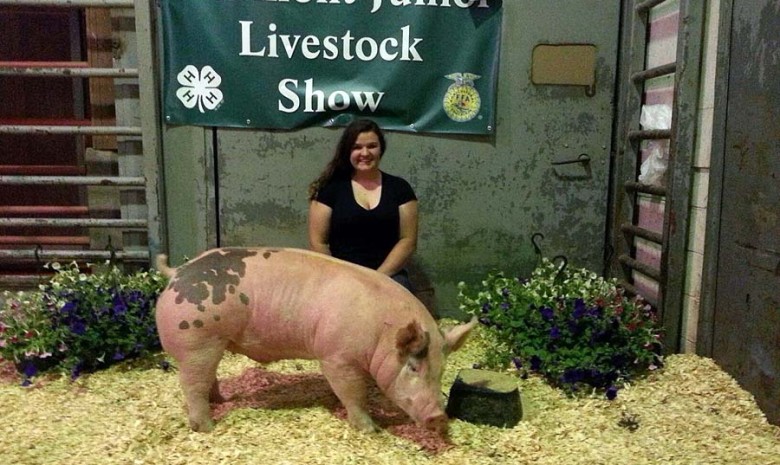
x,y
462,102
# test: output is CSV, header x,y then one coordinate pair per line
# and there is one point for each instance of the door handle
x,y
583,158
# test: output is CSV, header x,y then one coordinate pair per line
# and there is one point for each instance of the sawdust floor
x,y
690,412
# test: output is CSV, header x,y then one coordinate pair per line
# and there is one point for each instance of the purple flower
x,y
118,355
135,296
505,306
505,292
26,382
69,307
30,369
517,362
78,327
611,392
536,363
485,307
555,333
579,309
595,312
547,313
572,375
75,372
120,307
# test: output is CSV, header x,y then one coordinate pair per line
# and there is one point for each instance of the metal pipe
x,y
633,186
44,240
69,210
71,3
42,170
83,130
643,268
73,222
647,134
68,72
125,181
634,230
39,254
651,73
633,291
647,5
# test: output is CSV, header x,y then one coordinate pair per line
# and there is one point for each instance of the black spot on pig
x,y
267,254
211,276
184,325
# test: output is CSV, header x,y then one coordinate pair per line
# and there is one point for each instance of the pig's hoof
x,y
202,426
363,423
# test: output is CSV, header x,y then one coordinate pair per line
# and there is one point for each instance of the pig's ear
x,y
411,340
456,337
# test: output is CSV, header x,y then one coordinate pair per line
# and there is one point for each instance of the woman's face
x,y
366,152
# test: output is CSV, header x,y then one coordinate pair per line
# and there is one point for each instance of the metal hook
x,y
38,250
564,263
112,250
537,247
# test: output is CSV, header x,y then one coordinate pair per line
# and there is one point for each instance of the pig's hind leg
x,y
349,385
198,377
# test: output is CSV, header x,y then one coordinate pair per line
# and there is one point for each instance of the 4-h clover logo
x,y
200,88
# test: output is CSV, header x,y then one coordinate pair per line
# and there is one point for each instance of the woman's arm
x,y
407,241
319,226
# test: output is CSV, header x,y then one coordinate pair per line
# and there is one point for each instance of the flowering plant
x,y
571,326
79,321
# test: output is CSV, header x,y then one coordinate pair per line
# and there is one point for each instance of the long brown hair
x,y
339,166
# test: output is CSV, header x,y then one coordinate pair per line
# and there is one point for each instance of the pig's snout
x,y
438,423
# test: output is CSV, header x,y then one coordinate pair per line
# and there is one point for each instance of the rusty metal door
x,y
740,327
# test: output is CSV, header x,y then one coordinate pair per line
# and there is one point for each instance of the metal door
x,y
740,324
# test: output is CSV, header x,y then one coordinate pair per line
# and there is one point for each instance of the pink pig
x,y
277,303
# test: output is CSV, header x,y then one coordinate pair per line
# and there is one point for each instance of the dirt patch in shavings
x,y
257,387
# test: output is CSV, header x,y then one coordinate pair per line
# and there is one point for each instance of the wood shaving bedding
x,y
690,412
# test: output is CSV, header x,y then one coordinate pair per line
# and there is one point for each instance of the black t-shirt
x,y
364,236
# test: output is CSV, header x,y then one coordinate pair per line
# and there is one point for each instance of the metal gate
x,y
649,229
79,135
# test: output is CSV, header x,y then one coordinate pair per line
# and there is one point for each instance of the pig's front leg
x,y
349,385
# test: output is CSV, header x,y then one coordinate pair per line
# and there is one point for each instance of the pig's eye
x,y
412,367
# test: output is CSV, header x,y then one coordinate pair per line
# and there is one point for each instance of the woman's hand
x,y
319,226
407,240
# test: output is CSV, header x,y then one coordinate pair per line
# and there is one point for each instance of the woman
x,y
359,213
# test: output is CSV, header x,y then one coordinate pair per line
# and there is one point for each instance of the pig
x,y
272,304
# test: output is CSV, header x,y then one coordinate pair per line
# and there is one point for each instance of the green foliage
x,y
80,322
573,327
